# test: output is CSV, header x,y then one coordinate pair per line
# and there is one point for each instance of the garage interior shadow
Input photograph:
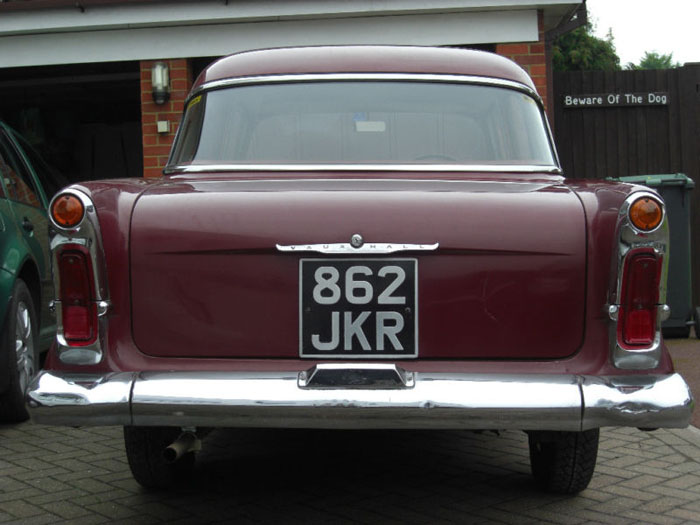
x,y
83,119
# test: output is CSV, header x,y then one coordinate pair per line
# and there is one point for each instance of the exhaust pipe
x,y
187,442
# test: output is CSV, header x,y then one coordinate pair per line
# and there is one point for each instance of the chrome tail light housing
x,y
80,283
637,304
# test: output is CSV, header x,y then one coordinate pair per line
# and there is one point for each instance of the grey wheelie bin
x,y
675,190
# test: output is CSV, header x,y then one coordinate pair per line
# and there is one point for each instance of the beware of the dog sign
x,y
615,100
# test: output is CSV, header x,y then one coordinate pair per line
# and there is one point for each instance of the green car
x,y
25,269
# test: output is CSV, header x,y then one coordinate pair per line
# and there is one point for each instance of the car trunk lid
x,y
507,280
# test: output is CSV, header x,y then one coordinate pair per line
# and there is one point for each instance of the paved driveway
x,y
53,474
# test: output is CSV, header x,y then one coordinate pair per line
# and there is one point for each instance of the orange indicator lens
x,y
646,213
67,210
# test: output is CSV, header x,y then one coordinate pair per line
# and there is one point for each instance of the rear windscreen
x,y
363,122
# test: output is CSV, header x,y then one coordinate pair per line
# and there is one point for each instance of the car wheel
x,y
697,322
144,450
20,343
563,462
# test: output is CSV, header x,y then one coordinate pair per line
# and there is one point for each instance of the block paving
x,y
80,476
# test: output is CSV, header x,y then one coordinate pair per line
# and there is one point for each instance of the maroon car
x,y
361,237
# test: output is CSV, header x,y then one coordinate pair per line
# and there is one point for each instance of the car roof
x,y
364,59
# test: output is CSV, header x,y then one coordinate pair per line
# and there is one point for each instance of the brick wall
x,y
156,146
531,57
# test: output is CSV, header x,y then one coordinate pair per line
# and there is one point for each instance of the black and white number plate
x,y
352,308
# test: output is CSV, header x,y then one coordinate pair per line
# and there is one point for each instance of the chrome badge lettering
x,y
347,248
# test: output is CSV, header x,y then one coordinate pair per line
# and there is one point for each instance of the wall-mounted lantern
x,y
160,82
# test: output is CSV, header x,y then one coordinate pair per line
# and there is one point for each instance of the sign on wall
x,y
606,100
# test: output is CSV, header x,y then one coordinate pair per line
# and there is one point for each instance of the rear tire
x,y
144,451
563,462
20,344
697,322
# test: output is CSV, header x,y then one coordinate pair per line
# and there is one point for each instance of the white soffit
x,y
93,16
143,43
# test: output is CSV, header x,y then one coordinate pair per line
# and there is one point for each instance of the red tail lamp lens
x,y
67,210
640,296
646,213
79,311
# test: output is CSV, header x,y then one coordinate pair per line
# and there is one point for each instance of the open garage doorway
x,y
83,119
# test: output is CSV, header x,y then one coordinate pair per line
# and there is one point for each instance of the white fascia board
x,y
222,39
208,12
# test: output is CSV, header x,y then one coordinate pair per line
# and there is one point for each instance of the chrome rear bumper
x,y
360,396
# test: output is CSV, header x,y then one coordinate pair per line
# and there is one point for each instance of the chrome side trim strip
x,y
343,248
294,168
425,400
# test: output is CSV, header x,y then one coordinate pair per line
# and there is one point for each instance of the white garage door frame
x,y
67,44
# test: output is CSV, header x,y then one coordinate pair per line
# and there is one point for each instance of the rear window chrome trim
x,y
451,168
388,77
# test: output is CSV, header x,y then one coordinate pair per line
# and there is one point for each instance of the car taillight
x,y
639,301
67,210
79,312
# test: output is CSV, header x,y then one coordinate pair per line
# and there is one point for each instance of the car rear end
x,y
362,250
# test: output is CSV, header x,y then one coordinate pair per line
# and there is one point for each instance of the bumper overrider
x,y
360,396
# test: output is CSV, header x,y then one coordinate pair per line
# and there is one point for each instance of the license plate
x,y
358,308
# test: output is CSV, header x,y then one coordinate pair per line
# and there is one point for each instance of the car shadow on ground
x,y
365,476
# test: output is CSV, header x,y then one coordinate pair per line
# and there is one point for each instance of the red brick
x,y
537,48
156,150
150,162
152,172
513,49
181,84
529,59
157,145
538,70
